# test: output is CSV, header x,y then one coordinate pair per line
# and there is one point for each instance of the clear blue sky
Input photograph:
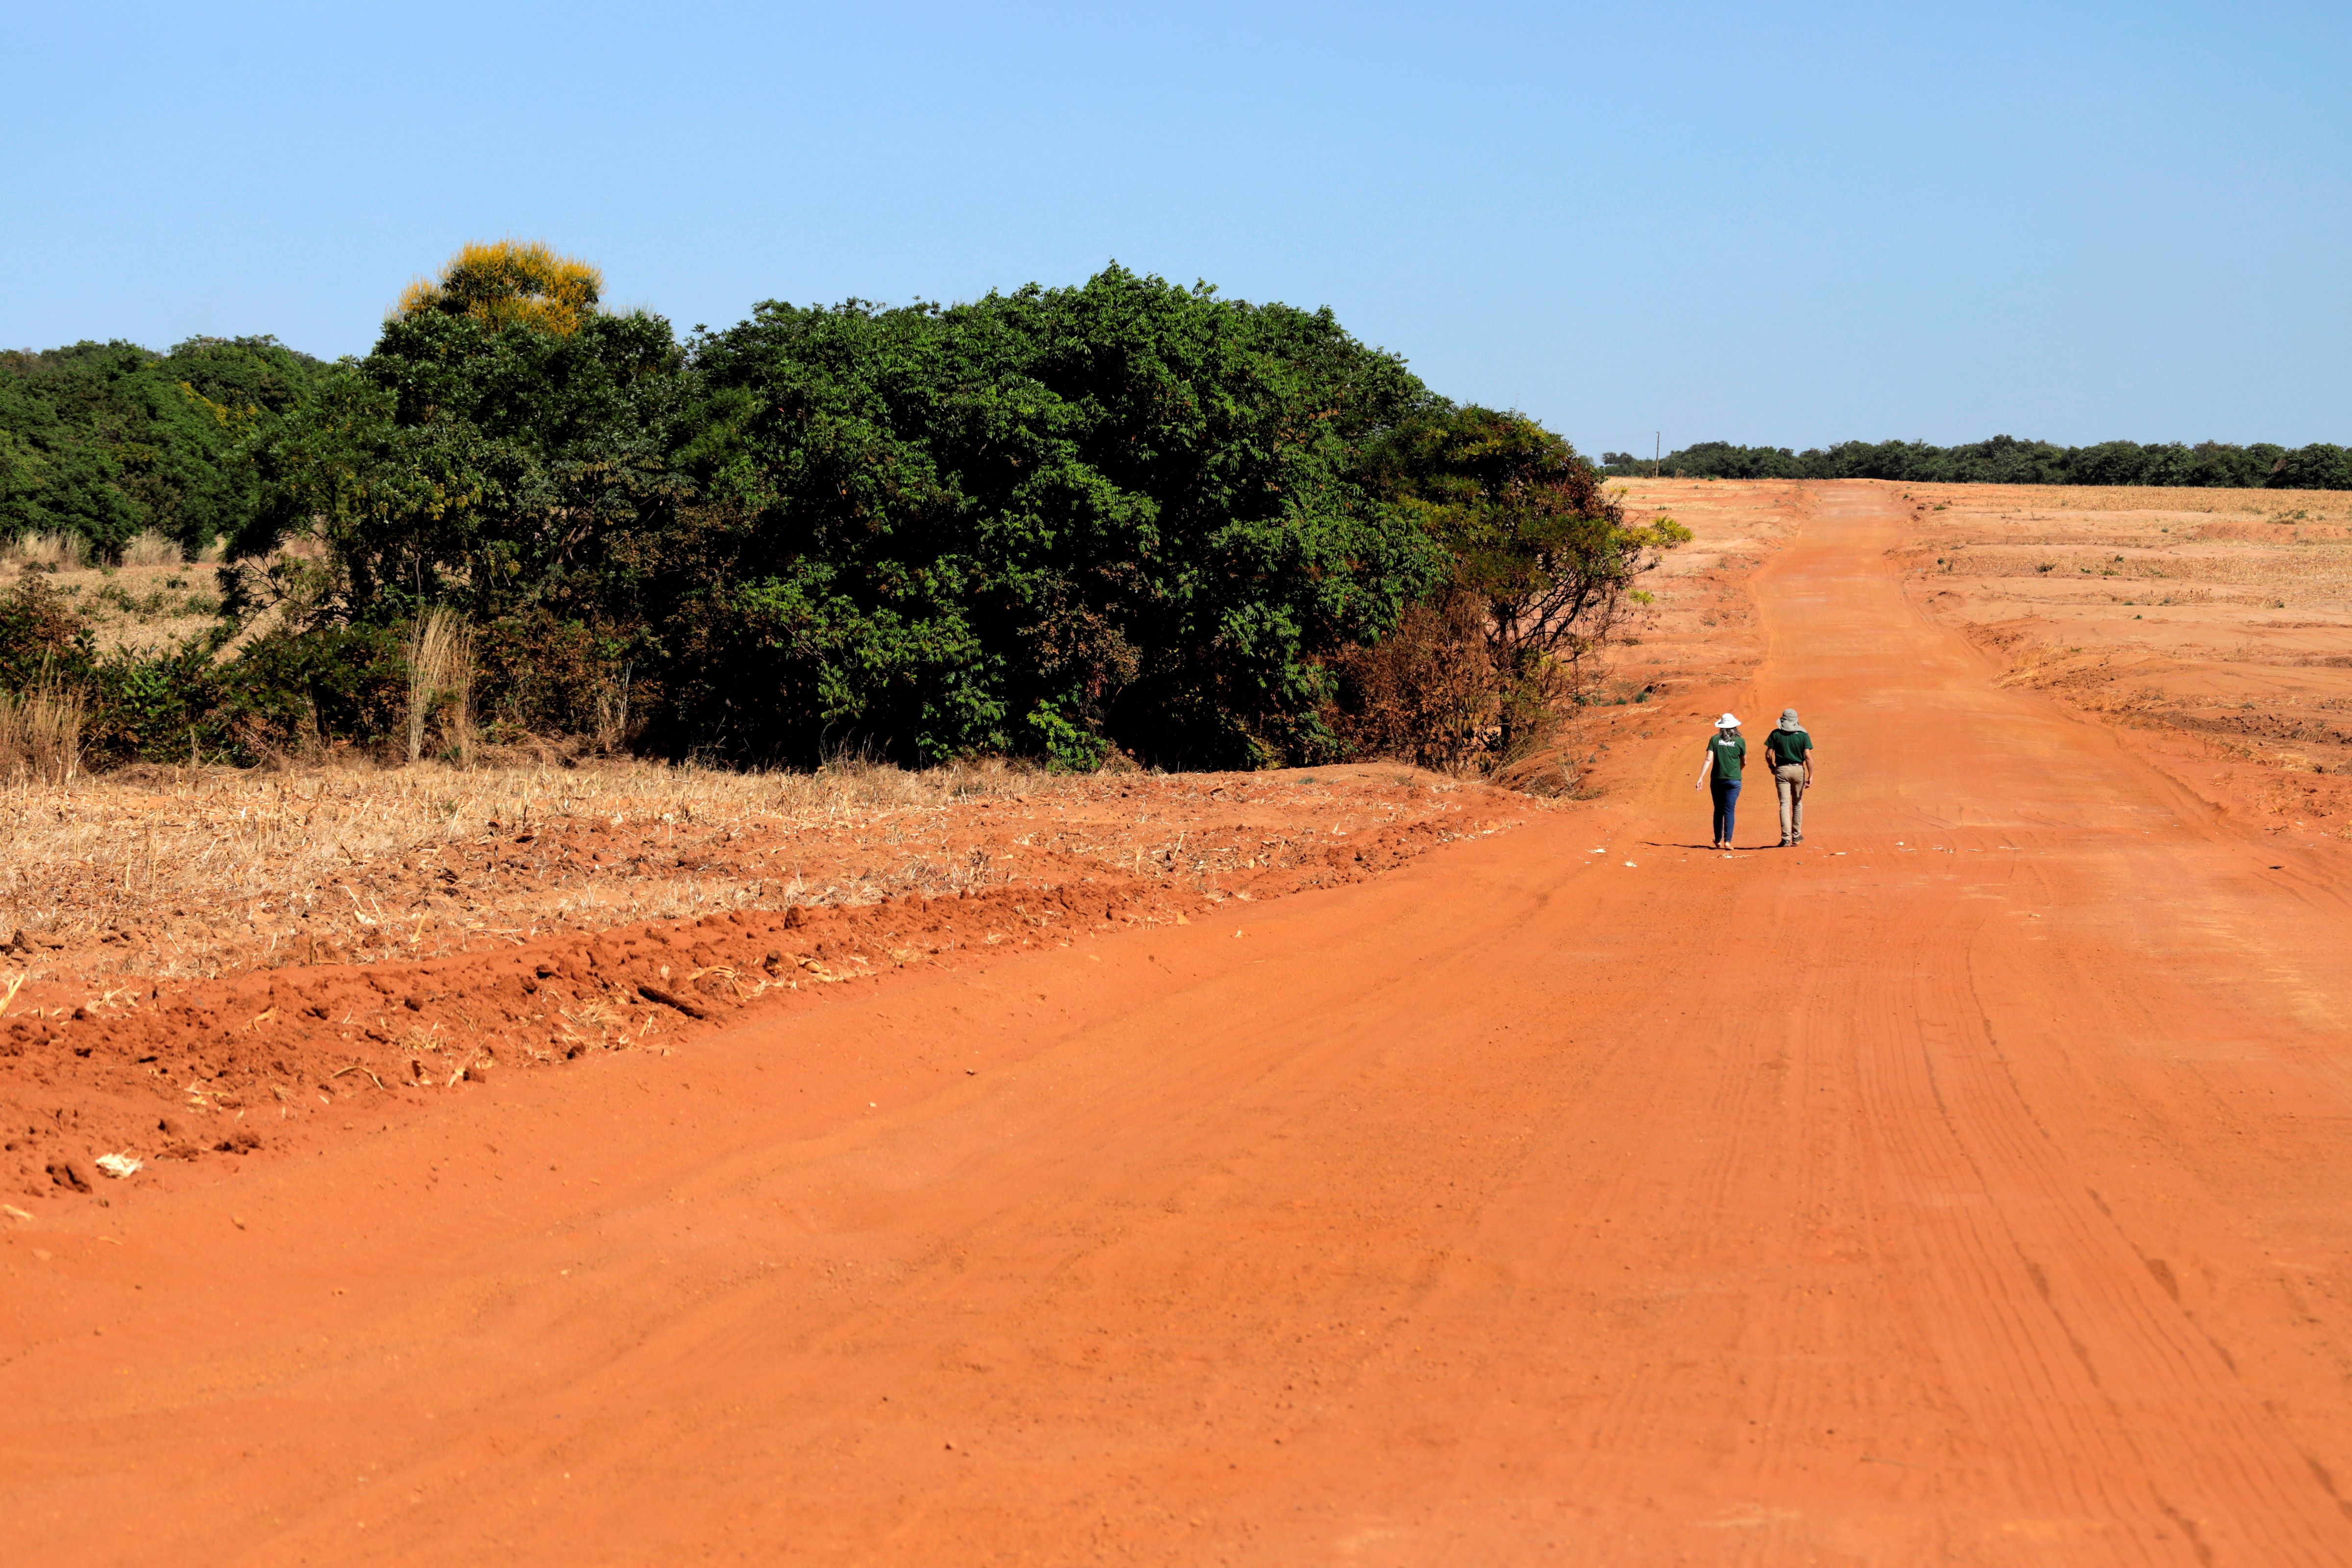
x,y
1785,223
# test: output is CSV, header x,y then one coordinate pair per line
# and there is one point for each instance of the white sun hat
x,y
1729,722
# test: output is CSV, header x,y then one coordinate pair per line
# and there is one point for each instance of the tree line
x,y
1060,522
2005,461
102,442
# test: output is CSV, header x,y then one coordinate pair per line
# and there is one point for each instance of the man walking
x,y
1792,753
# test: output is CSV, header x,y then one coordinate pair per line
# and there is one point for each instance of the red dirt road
x,y
1975,1194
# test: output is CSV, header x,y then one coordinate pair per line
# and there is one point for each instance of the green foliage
x,y
286,693
1543,568
2009,461
1051,522
102,441
2318,467
490,467
1527,523
1048,521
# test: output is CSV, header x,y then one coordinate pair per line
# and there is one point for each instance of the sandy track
x,y
1971,1195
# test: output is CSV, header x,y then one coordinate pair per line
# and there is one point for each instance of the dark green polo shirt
x,y
1788,746
1730,751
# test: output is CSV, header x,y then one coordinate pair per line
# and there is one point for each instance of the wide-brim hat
x,y
1729,722
1788,719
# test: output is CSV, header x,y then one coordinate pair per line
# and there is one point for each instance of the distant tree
x,y
103,441
495,451
2318,467
2005,460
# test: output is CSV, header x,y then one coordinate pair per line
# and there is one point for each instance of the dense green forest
x,y
1053,523
2005,461
104,441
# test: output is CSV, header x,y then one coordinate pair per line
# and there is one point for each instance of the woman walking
x,y
1725,754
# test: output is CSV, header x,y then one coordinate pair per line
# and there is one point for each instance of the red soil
x,y
271,1061
1963,1187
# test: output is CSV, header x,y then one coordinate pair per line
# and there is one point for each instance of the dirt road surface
x,y
1964,1186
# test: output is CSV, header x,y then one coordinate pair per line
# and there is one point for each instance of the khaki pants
x,y
1790,777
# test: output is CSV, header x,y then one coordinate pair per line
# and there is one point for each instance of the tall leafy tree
x,y
494,451
1127,513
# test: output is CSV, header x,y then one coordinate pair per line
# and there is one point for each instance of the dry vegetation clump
x,y
175,872
153,549
44,552
1426,692
40,736
155,599
2221,619
440,652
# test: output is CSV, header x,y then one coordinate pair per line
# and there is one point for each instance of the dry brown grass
x,y
67,553
440,651
50,551
2215,623
2026,550
40,736
153,549
168,872
2258,549
143,607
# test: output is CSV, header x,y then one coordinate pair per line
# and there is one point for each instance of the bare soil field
x,y
2212,627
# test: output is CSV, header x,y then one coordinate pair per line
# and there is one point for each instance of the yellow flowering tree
x,y
509,282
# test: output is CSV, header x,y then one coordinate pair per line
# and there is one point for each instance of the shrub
x,y
1426,693
1543,570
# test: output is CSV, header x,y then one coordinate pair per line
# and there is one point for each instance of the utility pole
x,y
1657,450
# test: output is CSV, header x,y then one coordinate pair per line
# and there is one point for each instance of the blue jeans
x,y
1727,806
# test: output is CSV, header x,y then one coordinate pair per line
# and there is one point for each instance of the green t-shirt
x,y
1730,751
1788,746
